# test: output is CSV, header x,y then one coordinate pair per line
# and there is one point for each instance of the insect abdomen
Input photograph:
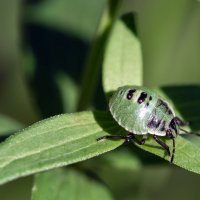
x,y
160,118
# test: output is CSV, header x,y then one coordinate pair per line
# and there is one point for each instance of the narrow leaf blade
x,y
123,58
58,141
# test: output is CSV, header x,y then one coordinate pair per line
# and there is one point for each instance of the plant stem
x,y
93,64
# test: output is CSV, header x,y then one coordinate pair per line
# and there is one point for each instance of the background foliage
x,y
51,55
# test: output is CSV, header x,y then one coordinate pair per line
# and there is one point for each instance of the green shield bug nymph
x,y
142,112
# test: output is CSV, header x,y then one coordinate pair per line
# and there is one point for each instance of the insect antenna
x,y
192,133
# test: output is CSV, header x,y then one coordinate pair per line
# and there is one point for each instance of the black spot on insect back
x,y
148,102
164,106
161,103
162,126
173,125
153,123
170,112
142,97
130,94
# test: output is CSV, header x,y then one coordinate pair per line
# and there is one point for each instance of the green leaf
x,y
57,141
120,159
67,139
123,60
68,184
120,170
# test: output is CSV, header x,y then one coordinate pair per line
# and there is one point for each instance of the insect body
x,y
142,112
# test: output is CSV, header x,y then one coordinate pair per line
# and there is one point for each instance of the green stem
x,y
93,64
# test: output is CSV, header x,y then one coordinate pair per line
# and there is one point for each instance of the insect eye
x,y
130,94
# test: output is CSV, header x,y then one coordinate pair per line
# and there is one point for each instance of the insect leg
x,y
112,137
162,144
127,138
173,151
192,133
140,142
180,122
